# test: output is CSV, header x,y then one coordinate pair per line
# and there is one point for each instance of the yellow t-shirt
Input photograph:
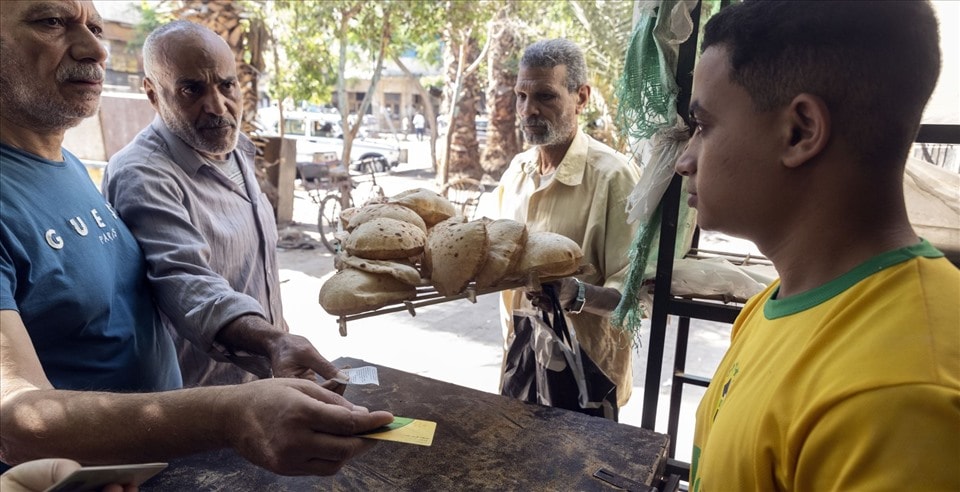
x,y
586,201
854,385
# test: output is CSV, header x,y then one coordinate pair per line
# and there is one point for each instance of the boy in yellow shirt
x,y
844,374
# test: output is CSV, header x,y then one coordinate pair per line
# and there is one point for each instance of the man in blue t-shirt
x,y
88,372
62,242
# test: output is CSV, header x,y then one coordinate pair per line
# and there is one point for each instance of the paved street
x,y
458,341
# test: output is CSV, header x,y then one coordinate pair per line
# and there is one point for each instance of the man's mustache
x,y
81,72
216,122
535,121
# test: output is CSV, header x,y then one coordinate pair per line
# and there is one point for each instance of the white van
x,y
321,133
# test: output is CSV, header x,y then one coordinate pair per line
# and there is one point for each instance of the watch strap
x,y
581,299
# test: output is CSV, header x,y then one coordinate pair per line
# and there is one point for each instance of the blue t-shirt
x,y
77,277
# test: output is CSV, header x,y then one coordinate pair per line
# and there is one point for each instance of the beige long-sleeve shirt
x,y
585,201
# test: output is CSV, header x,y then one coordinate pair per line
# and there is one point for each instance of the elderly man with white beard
x,y
186,189
574,185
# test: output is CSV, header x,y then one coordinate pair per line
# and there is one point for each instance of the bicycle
x,y
465,194
340,196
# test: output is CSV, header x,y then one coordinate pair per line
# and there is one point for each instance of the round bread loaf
x,y
429,205
386,239
455,253
549,254
425,267
388,210
354,291
345,216
374,200
456,219
398,269
506,241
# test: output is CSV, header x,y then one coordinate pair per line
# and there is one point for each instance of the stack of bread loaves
x,y
416,239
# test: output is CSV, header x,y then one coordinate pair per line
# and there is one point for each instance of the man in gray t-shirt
x,y
186,188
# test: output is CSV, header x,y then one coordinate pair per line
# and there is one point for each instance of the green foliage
x,y
306,33
602,29
152,16
418,26
309,34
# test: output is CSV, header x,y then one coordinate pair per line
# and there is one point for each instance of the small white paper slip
x,y
360,375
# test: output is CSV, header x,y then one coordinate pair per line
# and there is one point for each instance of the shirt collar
x,y
570,170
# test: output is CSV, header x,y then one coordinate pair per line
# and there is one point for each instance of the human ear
x,y
151,91
809,125
583,95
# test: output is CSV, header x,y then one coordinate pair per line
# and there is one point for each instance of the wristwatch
x,y
581,298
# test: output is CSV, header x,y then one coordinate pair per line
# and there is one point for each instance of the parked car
x,y
480,122
321,133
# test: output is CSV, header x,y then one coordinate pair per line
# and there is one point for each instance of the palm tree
x,y
502,140
605,30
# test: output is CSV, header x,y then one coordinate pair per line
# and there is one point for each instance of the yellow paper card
x,y
419,432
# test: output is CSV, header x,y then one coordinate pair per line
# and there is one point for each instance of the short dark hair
x,y
874,64
555,52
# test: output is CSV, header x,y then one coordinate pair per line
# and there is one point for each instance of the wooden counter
x,y
483,441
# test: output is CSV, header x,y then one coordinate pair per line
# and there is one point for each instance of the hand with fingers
x,y
290,356
565,290
40,475
293,356
575,296
295,427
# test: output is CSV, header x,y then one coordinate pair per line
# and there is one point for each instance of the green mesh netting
x,y
647,93
629,312
635,298
647,110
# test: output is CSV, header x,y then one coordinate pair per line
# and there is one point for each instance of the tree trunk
x,y
502,140
349,127
464,151
428,111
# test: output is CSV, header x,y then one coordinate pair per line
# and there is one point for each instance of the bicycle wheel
x,y
328,221
464,193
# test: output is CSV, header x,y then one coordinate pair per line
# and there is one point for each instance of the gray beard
x,y
25,106
555,134
192,137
